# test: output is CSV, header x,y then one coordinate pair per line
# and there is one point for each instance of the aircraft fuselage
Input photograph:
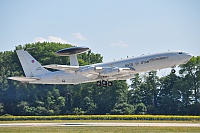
x,y
113,70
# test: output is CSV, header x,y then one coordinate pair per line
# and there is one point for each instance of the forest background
x,y
148,94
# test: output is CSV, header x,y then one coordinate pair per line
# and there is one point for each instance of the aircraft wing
x,y
62,67
94,71
104,71
24,79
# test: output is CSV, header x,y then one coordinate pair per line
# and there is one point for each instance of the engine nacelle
x,y
110,72
87,70
128,76
124,77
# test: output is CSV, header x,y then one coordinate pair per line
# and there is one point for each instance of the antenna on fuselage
x,y
72,53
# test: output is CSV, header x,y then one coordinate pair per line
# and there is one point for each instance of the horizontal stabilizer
x,y
62,67
24,79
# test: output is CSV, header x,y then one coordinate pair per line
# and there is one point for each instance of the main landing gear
x,y
104,83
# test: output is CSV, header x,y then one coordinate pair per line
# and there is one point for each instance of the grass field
x,y
99,129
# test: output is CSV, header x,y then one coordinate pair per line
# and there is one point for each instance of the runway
x,y
102,124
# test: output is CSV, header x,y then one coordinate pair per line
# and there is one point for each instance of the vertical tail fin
x,y
31,67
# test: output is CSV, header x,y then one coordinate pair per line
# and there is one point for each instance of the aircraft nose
x,y
189,56
186,57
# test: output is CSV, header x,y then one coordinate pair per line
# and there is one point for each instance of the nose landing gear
x,y
104,83
173,71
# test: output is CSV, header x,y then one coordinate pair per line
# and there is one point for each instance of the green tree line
x,y
147,94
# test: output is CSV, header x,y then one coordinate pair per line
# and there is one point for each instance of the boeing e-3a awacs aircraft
x,y
102,73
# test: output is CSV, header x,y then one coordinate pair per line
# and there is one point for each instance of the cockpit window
x,y
180,53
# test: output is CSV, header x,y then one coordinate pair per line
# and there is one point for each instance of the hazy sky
x,y
114,28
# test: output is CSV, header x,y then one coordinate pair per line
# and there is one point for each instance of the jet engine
x,y
122,77
87,70
110,72
128,76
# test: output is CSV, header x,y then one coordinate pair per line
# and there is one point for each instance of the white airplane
x,y
102,73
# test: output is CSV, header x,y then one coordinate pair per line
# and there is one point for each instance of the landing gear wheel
x,y
110,83
173,71
98,83
104,83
